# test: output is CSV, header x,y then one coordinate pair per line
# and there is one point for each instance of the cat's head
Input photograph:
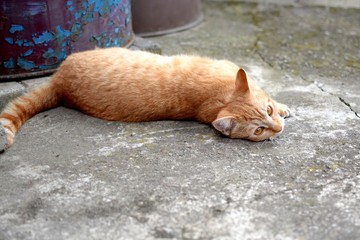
x,y
249,114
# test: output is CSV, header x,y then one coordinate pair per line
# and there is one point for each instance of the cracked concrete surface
x,y
340,99
70,176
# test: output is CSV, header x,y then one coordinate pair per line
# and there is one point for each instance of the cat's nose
x,y
277,128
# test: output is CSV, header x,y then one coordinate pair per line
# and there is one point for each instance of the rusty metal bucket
x,y
37,35
157,17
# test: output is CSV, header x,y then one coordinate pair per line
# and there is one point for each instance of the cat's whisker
x,y
278,141
273,141
295,123
260,146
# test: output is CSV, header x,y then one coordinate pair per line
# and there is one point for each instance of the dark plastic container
x,y
37,35
157,17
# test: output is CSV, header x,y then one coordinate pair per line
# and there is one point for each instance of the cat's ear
x,y
241,83
224,125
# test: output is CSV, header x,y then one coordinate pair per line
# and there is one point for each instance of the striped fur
x,y
20,110
122,85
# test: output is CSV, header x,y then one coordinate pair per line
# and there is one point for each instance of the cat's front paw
x,y
284,111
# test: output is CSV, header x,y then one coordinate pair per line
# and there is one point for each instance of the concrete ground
x,y
70,176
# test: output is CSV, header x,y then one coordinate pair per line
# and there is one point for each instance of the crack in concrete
x,y
256,50
316,84
349,105
256,46
332,94
340,98
262,57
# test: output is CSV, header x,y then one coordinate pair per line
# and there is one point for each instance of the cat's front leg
x,y
284,111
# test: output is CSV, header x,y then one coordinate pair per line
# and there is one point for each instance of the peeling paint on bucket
x,y
37,35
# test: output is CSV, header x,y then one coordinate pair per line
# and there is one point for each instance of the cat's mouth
x,y
278,133
274,137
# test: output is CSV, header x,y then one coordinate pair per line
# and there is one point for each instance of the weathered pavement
x,y
70,176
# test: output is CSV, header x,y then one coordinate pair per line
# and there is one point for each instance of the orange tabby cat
x,y
122,85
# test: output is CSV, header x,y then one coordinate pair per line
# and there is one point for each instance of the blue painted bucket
x,y
37,35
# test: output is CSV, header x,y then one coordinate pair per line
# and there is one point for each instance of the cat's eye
x,y
269,110
259,130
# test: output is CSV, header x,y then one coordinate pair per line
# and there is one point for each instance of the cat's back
x,y
108,64
108,57
122,66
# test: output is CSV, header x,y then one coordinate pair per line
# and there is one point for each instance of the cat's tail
x,y
17,112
